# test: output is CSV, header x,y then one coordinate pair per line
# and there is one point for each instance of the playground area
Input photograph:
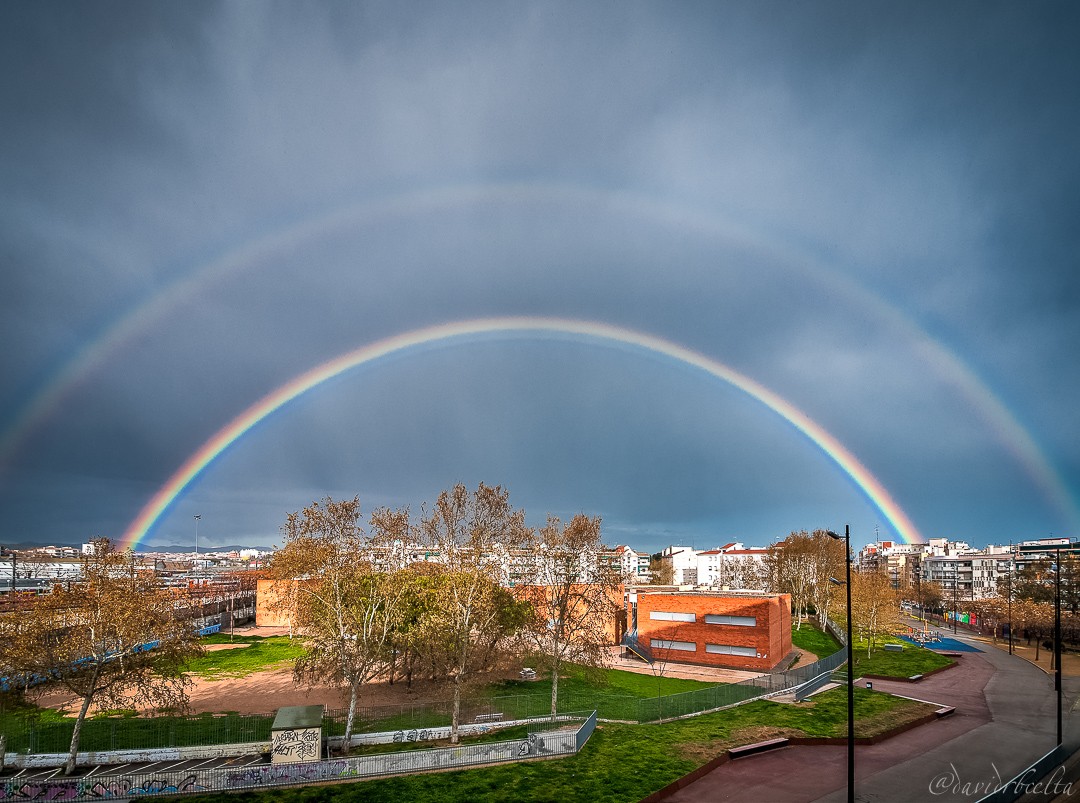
x,y
1037,654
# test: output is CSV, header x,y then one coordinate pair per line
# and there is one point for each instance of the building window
x,y
664,644
668,616
727,649
720,619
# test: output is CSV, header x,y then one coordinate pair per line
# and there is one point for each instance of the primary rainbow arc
x,y
870,486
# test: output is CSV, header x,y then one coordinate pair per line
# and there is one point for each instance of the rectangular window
x,y
664,644
667,616
720,619
727,649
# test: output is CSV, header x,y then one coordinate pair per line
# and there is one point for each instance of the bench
x,y
944,711
894,647
757,747
915,678
488,718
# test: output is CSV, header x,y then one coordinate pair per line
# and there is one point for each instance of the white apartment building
x,y
729,567
633,565
683,561
732,567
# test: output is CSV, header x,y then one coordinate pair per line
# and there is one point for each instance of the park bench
x,y
944,711
488,717
894,647
757,747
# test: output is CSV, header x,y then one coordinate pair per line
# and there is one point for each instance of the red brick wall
x,y
770,636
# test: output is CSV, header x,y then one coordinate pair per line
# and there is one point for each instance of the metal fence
x,y
29,732
547,744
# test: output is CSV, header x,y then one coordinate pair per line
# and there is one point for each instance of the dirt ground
x,y
265,692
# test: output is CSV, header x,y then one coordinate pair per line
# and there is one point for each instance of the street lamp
x,y
850,665
195,563
1057,639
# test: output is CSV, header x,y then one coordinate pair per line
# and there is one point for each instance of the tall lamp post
x,y
1057,640
195,563
850,665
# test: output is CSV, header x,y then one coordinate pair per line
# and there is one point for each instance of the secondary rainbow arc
x,y
163,499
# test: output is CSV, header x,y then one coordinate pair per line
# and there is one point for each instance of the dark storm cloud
x,y
741,179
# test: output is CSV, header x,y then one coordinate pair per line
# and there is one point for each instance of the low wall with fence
x,y
548,744
32,736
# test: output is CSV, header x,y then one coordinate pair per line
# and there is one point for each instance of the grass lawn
x,y
43,730
810,638
912,660
260,654
619,695
622,762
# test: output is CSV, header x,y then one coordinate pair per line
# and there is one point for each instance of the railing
x,y
546,744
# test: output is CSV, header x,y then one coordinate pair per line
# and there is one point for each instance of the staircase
x,y
631,642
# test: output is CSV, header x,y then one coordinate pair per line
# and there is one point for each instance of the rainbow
x,y
97,352
586,330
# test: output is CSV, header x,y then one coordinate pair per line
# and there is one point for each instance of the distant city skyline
x,y
868,211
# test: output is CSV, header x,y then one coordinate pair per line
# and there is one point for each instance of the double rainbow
x,y
584,330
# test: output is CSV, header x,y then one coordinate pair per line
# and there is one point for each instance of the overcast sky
x,y
870,209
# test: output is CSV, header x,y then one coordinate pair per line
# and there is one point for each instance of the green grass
x,y
620,763
573,680
912,660
813,640
42,730
619,695
260,654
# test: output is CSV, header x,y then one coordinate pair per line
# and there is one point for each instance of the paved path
x,y
1005,719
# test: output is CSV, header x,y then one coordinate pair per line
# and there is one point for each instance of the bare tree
x,y
344,606
468,530
661,572
113,638
793,571
660,658
575,599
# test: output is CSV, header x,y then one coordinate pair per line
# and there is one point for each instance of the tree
x,y
658,655
575,598
929,595
339,600
113,638
661,572
467,531
1034,581
875,606
801,565
829,562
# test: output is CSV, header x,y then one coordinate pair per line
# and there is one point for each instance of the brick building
x,y
736,631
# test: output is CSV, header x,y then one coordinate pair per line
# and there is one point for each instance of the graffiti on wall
x,y
100,789
298,744
282,774
220,778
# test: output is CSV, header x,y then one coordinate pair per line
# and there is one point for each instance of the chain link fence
x,y
30,732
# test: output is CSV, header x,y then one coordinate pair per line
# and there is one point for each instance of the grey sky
x,y
851,203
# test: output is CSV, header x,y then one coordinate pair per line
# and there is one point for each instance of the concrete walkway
x,y
1005,720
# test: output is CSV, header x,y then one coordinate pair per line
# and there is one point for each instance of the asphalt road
x,y
1005,719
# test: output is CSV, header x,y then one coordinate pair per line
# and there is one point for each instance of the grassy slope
x,y
913,660
811,639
